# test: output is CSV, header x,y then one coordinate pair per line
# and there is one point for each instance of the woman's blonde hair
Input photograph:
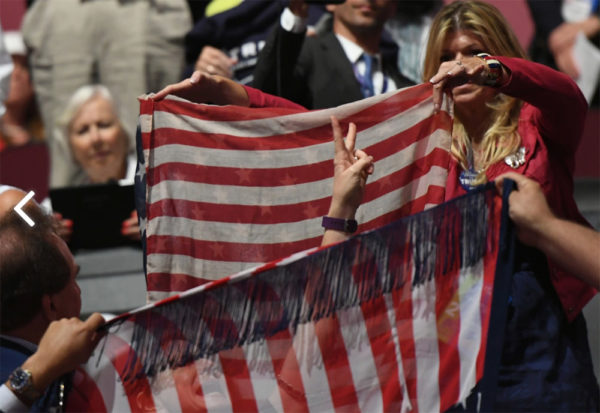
x,y
485,22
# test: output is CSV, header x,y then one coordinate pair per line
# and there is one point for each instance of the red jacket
x,y
550,124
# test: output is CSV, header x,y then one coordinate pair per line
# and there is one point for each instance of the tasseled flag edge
x,y
290,292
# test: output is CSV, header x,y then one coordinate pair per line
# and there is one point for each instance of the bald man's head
x,y
9,198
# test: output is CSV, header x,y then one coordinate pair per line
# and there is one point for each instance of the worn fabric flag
x,y
394,319
229,188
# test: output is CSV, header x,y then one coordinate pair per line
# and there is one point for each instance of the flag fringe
x,y
420,247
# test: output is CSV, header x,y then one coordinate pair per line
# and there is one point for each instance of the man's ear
x,y
48,308
330,8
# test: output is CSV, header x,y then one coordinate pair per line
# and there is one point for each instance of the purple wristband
x,y
339,224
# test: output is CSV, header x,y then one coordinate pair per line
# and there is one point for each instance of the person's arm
x,y
562,39
351,169
570,245
277,70
561,107
260,99
202,88
66,344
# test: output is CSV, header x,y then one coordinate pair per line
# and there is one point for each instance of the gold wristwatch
x,y
20,382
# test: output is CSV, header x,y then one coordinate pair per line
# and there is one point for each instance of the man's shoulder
x,y
12,355
322,42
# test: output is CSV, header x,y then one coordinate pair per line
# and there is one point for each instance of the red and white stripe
x,y
419,348
398,352
232,187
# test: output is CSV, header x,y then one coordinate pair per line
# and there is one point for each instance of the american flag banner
x,y
229,188
394,319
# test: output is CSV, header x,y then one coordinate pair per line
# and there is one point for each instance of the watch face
x,y
19,379
351,226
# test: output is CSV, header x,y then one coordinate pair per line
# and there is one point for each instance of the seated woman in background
x,y
99,144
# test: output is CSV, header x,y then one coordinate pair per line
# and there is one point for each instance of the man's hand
x,y
213,61
527,207
66,344
299,8
570,245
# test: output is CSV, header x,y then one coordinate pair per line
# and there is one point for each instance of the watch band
x,y
339,224
494,69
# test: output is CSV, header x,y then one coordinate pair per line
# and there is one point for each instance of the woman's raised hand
x,y
454,73
351,169
205,88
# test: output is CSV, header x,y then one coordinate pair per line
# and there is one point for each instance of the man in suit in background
x,y
341,64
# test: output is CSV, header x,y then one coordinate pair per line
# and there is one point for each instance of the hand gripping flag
x,y
394,319
229,188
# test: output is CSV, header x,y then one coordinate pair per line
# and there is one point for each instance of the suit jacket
x,y
13,355
313,71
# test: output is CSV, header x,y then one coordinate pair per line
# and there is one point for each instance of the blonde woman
x,y
510,115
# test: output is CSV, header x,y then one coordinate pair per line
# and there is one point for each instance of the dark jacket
x,y
313,71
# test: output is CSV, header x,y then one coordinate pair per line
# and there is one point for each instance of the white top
x,y
130,173
9,402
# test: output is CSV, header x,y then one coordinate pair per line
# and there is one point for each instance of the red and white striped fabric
x,y
394,319
404,314
229,188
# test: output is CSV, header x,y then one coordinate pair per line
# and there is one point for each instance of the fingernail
x,y
436,107
431,80
68,223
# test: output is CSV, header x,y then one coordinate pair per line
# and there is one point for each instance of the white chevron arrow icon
x,y
19,211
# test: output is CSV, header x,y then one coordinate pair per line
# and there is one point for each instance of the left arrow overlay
x,y
19,210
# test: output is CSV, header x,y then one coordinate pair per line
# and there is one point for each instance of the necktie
x,y
366,80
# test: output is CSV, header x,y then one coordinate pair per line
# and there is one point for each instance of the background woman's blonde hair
x,y
486,23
